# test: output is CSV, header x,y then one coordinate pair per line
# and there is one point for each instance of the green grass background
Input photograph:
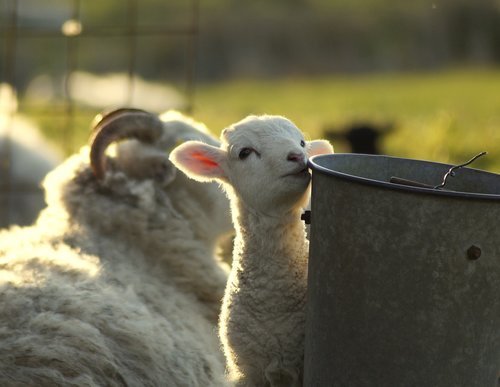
x,y
446,116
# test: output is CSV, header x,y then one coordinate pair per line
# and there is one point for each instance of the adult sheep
x,y
116,284
25,158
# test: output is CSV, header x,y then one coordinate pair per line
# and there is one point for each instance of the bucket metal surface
x,y
404,282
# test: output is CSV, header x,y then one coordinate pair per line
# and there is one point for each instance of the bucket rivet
x,y
306,217
473,252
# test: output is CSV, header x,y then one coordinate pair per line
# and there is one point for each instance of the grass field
x,y
444,116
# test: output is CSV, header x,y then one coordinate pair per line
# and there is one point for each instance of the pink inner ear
x,y
204,159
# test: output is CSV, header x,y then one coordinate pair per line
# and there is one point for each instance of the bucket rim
x,y
315,167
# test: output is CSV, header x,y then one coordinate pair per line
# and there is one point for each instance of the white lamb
x,y
262,165
116,284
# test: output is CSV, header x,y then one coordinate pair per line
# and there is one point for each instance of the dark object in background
x,y
363,137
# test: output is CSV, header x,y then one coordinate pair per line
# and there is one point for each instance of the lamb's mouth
x,y
300,173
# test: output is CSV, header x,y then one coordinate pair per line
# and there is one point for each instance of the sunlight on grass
x,y
447,117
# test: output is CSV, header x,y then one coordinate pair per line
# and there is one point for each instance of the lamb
x,y
262,166
116,283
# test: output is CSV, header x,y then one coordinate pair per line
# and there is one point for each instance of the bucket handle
x,y
451,172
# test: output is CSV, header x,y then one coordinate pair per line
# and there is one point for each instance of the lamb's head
x,y
262,162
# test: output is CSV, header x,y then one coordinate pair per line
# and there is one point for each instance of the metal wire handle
x,y
451,172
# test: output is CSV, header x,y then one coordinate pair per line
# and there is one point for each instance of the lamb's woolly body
x,y
262,319
113,286
262,165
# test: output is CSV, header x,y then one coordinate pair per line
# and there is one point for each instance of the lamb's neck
x,y
263,240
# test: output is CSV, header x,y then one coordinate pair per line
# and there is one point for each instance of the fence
x,y
28,29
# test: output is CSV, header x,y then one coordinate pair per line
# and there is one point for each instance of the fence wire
x,y
12,35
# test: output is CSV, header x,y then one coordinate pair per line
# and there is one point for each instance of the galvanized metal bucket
x,y
404,282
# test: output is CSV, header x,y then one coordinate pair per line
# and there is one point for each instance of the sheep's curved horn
x,y
118,125
107,115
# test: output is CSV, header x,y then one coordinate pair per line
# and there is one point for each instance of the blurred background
x,y
416,79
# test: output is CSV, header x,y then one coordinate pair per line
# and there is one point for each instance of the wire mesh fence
x,y
52,52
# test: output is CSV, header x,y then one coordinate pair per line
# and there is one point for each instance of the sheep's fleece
x,y
114,285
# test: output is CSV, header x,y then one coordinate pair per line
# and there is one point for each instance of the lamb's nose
x,y
296,157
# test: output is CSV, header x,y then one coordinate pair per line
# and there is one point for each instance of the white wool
x,y
116,284
262,165
25,158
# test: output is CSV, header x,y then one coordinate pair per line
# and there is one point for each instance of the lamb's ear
x,y
318,147
199,161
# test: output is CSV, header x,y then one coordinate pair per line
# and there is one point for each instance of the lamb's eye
x,y
244,153
302,143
